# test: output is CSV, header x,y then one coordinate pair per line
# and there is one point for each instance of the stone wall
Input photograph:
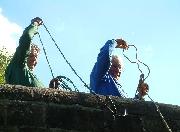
x,y
24,109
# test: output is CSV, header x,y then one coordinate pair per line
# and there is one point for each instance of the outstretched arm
x,y
103,60
25,40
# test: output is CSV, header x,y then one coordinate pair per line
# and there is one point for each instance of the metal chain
x,y
162,117
137,62
96,95
122,90
107,97
111,107
72,68
142,79
64,83
66,59
46,55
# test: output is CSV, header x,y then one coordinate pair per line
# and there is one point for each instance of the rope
x,y
162,117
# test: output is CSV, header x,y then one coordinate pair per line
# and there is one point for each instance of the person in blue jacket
x,y
107,69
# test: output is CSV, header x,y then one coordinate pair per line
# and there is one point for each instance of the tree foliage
x,y
5,58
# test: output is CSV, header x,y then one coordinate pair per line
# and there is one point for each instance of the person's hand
x,y
144,89
121,44
37,21
54,83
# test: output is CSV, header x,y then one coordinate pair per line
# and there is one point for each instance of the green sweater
x,y
17,72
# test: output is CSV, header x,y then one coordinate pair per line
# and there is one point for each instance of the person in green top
x,y
20,69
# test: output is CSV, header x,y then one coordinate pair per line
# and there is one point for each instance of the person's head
x,y
143,89
33,56
116,67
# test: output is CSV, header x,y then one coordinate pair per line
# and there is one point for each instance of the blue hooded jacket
x,y
101,82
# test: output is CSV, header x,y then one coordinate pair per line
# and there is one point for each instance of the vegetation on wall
x,y
5,58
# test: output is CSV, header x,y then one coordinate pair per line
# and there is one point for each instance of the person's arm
x,y
25,40
104,57
103,60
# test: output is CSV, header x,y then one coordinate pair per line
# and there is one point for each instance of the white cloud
x,y
9,33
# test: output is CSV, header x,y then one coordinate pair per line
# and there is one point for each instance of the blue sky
x,y
81,28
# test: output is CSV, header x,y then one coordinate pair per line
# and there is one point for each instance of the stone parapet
x,y
26,109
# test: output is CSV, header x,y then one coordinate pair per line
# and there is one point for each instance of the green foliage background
x,y
4,61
